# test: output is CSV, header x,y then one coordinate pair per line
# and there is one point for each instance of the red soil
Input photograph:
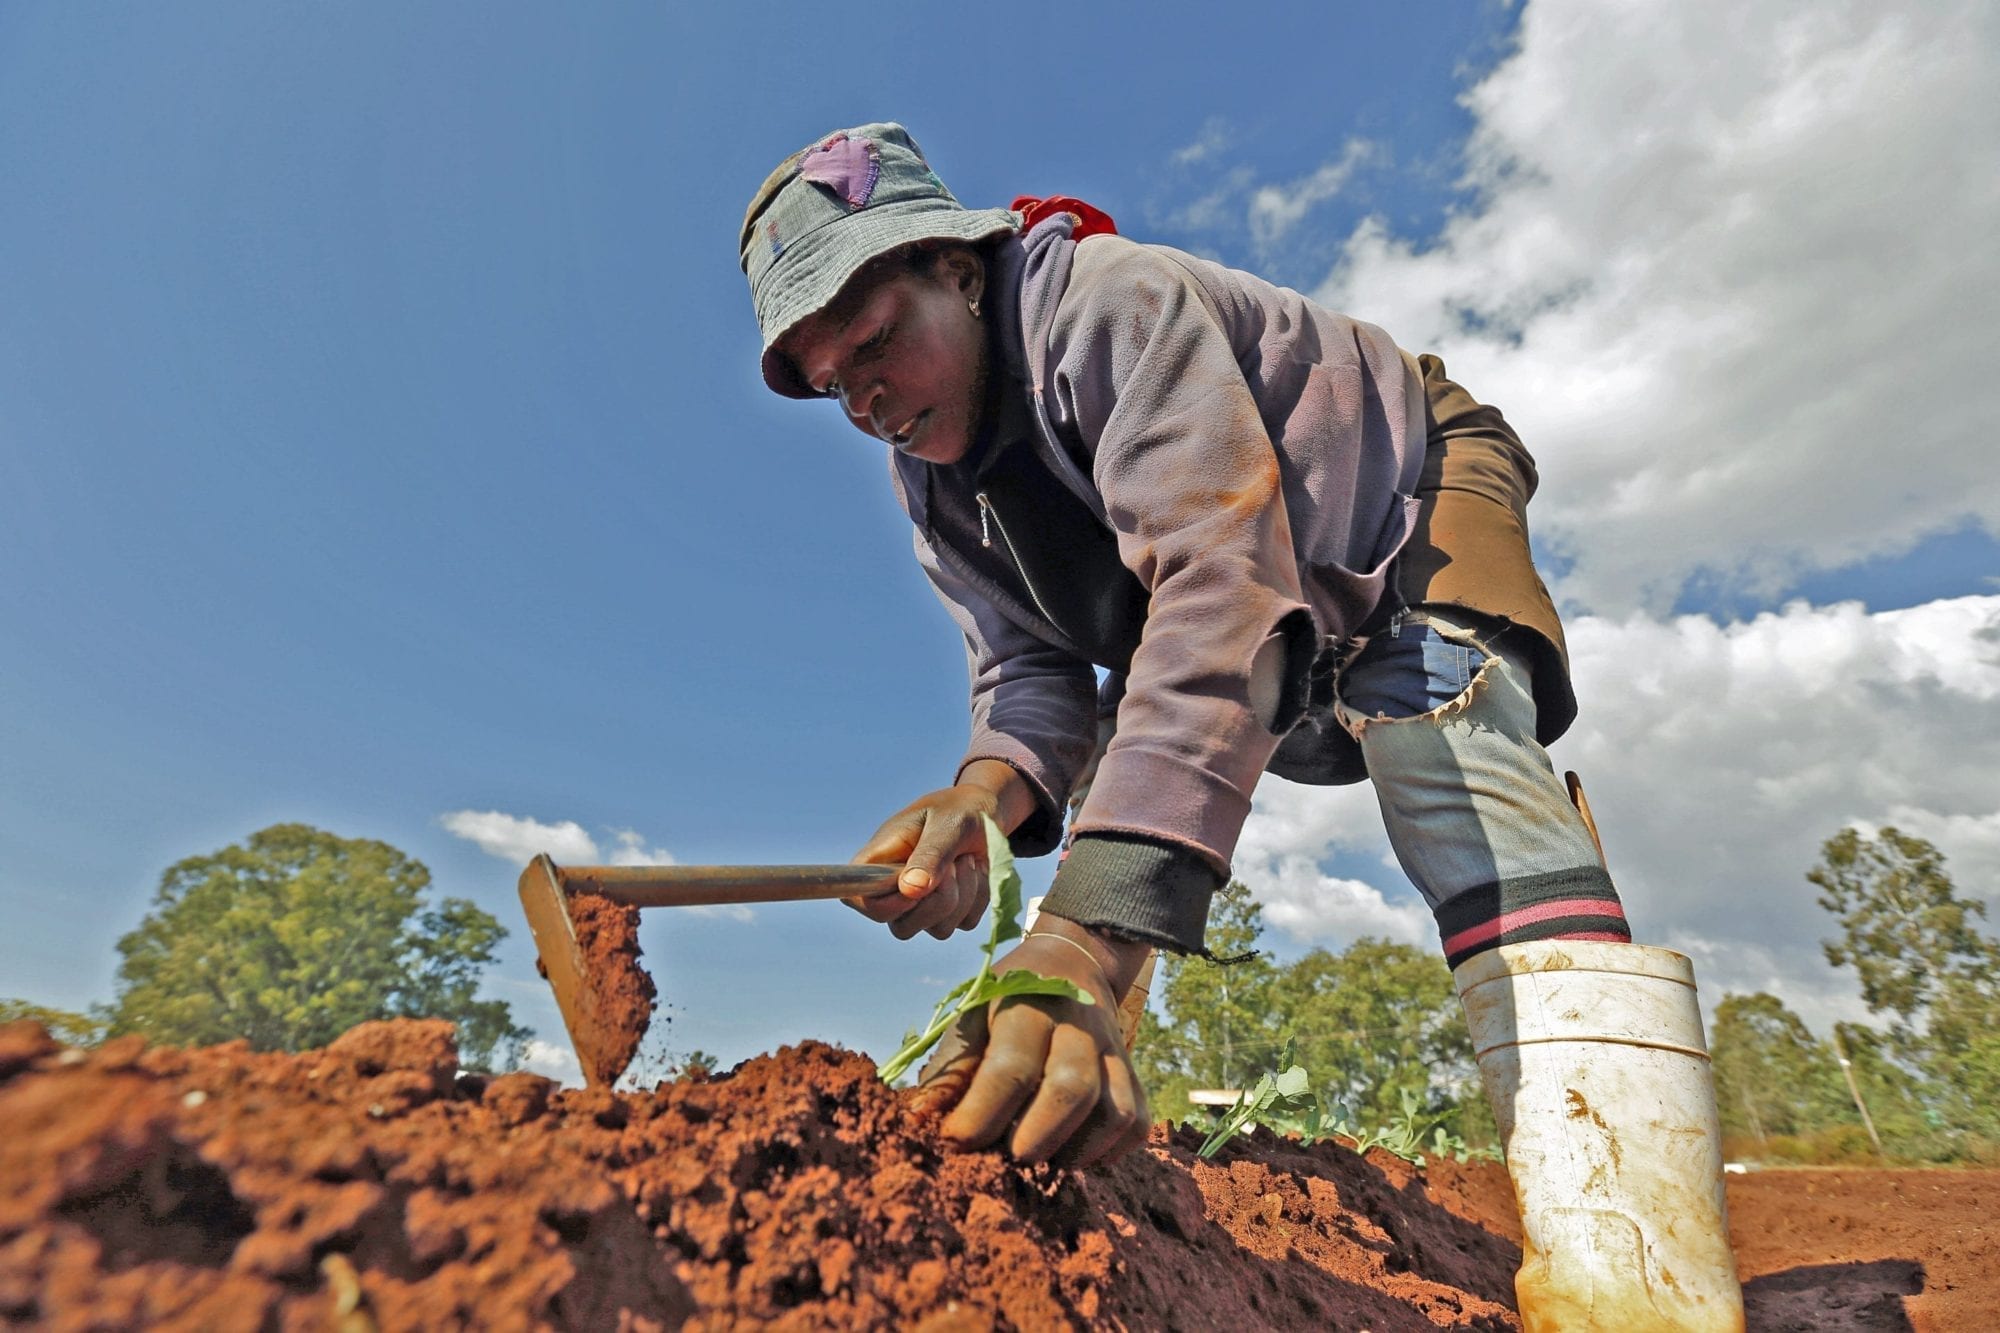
x,y
617,998
1823,1250
372,1186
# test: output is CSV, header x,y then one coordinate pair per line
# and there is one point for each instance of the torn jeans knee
x,y
1444,711
1425,665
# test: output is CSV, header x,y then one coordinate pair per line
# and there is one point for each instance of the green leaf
x,y
1021,981
1004,886
1004,896
1294,1082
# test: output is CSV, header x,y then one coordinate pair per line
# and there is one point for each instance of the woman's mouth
x,y
905,434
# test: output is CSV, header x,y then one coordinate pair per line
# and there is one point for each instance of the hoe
x,y
547,888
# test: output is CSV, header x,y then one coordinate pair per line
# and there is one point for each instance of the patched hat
x,y
831,208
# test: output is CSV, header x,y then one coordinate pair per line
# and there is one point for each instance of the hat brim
x,y
819,264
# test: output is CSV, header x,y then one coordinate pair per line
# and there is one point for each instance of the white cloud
x,y
1214,137
551,1060
519,839
1731,271
1215,208
1313,907
1276,209
1718,759
512,838
629,849
1291,831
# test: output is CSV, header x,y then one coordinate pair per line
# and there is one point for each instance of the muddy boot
x,y
1593,1059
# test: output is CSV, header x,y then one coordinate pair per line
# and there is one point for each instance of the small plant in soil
x,y
1406,1137
1283,1101
984,987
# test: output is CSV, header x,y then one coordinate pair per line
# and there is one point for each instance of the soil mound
x,y
371,1185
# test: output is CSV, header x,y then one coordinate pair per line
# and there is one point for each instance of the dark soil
x,y
371,1185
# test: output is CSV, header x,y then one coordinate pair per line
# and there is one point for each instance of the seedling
x,y
984,987
1285,1103
1405,1138
1281,1100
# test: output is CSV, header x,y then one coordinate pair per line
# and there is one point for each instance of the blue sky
x,y
382,436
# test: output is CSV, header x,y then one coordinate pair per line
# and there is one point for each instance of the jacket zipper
x,y
988,512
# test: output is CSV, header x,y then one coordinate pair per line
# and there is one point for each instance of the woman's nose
x,y
857,400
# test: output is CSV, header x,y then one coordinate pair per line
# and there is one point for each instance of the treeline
x,y
1922,1082
1377,1025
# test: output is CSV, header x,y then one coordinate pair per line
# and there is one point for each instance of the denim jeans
x,y
1444,712
1445,717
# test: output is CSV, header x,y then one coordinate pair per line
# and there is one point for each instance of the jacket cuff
x,y
1171,800
1135,888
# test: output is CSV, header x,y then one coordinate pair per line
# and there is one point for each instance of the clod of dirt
x,y
21,1044
423,1046
617,994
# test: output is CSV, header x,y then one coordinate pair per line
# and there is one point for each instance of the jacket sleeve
x,y
1143,369
1033,705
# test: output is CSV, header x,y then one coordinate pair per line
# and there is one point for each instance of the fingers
x,y
958,895
937,912
941,844
948,1073
970,899
1071,1088
976,909
1120,1123
945,840
891,843
1007,1076
1064,1094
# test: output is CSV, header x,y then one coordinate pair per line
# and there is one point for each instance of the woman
x,y
1290,545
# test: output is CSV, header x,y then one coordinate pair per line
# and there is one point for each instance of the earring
x,y
973,306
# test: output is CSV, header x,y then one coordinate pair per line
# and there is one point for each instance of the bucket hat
x,y
830,208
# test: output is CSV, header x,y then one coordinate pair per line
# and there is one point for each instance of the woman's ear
x,y
966,271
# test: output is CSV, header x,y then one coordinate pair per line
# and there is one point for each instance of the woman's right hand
x,y
940,841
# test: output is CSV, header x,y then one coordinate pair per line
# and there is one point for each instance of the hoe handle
x,y
715,886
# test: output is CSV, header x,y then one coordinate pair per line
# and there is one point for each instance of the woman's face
x,y
905,354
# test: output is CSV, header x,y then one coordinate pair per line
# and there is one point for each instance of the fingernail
x,y
917,879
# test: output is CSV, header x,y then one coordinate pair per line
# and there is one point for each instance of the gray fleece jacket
x,y
1257,458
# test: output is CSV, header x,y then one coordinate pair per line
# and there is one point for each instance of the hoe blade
x,y
547,908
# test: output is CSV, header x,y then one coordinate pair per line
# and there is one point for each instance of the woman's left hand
x,y
1049,1074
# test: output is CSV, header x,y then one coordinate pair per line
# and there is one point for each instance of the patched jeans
x,y
1445,716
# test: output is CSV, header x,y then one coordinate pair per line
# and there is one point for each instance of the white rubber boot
x,y
1593,1059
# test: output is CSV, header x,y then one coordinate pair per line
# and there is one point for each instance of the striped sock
x,y
1579,904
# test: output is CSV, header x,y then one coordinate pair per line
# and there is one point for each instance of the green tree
x,y
1371,1022
1772,1076
296,935
1904,930
1922,961
69,1028
1375,1021
1219,1029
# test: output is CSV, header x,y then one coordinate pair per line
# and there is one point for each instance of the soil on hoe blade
x,y
373,1186
617,1005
